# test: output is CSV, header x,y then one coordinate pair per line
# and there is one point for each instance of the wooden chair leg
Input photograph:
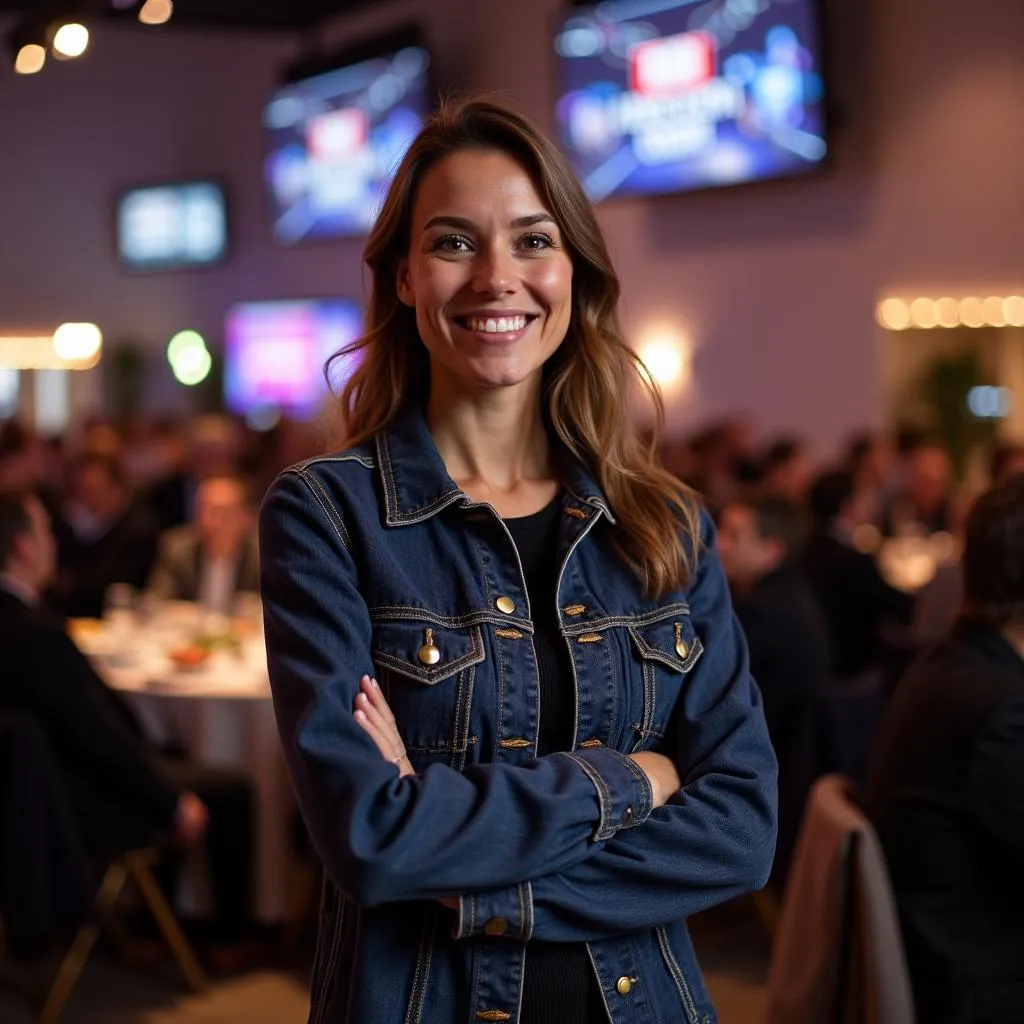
x,y
138,864
74,960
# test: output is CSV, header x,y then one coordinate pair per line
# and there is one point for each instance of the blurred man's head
x,y
756,538
28,551
786,470
869,457
224,516
22,458
1007,460
929,478
994,559
214,447
97,486
836,499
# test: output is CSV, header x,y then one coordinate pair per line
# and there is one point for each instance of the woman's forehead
x,y
487,184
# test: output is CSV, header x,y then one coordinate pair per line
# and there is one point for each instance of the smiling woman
x,y
510,687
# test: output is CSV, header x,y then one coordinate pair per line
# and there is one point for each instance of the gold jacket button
x,y
429,654
506,605
496,926
624,986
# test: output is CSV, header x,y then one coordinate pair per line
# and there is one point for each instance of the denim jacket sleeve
x,y
715,839
384,838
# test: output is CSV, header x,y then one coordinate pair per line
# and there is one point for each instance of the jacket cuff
x,y
624,795
499,913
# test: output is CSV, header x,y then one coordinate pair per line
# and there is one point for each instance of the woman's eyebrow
x,y
465,224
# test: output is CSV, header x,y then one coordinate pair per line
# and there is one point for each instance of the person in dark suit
x,y
103,538
946,787
857,602
216,558
124,793
760,543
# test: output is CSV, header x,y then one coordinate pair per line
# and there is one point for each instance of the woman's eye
x,y
452,243
535,241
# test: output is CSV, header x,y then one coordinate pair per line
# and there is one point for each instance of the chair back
x,y
838,955
46,888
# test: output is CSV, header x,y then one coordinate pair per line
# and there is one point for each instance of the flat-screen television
x,y
336,136
660,96
172,225
274,353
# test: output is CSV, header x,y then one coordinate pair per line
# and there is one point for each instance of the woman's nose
x,y
495,273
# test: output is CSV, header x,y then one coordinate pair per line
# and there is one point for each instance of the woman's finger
x,y
380,740
377,699
380,723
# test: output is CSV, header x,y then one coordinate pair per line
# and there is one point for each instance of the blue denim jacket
x,y
373,561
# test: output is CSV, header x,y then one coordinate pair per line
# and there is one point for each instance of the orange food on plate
x,y
190,656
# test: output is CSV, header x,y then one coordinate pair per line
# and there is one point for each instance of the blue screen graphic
x,y
671,95
335,140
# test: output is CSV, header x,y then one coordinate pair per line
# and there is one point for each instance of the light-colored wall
x,y
775,284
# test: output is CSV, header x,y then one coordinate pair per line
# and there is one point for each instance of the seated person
x,y
102,538
857,602
124,793
211,561
946,787
926,503
759,543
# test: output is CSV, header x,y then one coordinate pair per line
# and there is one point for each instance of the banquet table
x,y
219,713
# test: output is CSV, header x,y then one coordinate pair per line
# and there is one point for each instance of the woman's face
x,y
487,272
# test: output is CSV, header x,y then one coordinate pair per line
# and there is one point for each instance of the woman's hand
x,y
660,772
373,714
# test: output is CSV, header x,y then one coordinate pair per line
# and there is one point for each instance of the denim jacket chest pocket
x,y
427,673
665,651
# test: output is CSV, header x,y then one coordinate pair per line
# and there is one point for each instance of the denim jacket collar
x,y
416,483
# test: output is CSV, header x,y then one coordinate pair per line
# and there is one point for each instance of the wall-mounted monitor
x,y
660,96
337,130
274,353
172,225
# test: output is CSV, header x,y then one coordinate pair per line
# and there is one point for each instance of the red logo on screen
x,y
337,135
675,64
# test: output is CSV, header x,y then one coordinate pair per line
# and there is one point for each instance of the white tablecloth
x,y
220,714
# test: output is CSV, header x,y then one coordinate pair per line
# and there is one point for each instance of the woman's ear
x,y
403,286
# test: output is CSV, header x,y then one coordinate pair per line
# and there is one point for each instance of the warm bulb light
x,y
992,310
948,311
71,40
972,312
666,357
894,314
1013,310
923,313
30,59
156,12
77,343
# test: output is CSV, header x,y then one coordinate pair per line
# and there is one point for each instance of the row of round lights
x,y
72,346
69,40
924,314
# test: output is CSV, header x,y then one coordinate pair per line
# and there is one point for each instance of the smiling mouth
x,y
495,325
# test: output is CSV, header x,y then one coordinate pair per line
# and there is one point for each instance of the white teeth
x,y
499,325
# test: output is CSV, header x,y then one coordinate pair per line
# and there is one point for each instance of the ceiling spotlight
x,y
71,40
27,42
156,12
30,59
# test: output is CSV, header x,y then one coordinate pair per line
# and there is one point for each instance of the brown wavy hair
x,y
587,382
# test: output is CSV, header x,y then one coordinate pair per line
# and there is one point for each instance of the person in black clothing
x,y
103,538
124,793
946,787
857,602
760,543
